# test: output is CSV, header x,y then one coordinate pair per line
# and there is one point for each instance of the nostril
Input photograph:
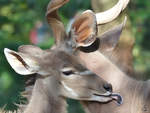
x,y
108,87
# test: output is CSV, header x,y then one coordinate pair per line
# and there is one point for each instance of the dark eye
x,y
67,73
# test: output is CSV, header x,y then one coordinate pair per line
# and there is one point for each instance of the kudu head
x,y
59,67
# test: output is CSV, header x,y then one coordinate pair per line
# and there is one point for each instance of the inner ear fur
x,y
84,29
107,41
21,63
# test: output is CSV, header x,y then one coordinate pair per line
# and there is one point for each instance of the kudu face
x,y
70,78
59,66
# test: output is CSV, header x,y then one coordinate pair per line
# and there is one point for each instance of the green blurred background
x,y
23,20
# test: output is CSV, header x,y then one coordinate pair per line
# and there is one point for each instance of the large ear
x,y
83,31
109,39
21,63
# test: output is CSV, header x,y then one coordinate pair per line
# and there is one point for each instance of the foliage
x,y
139,12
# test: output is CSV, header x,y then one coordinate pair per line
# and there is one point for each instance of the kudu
x,y
58,71
136,93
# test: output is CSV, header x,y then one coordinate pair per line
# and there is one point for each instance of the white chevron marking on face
x,y
69,89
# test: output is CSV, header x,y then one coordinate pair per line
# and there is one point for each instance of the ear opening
x,y
20,62
84,29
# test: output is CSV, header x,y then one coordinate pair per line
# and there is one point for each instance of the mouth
x,y
108,97
118,98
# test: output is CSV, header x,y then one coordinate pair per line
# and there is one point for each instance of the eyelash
x,y
67,73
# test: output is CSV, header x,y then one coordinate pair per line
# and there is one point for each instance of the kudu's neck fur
x,y
135,92
42,102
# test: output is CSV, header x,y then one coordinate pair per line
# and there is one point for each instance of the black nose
x,y
108,87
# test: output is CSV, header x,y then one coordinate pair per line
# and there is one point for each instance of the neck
x,y
99,64
43,101
134,92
